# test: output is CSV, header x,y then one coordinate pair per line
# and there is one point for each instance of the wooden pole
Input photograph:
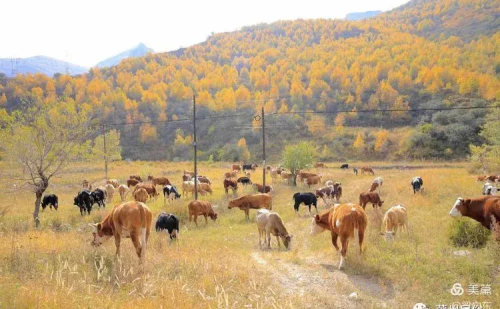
x,y
195,153
263,151
105,155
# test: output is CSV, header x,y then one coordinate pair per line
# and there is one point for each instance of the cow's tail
x,y
271,204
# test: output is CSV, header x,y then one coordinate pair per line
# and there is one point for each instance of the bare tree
x,y
39,143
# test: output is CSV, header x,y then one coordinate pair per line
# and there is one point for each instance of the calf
x,y
492,178
377,183
169,223
99,195
260,188
485,210
136,177
123,190
170,192
251,201
50,200
342,220
132,182
325,193
150,189
244,181
110,192
337,187
203,208
230,184
141,195
313,180
367,170
344,166
307,198
396,217
417,183
370,197
271,223
84,201
230,174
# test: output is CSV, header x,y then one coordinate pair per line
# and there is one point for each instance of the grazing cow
x,y
485,210
313,180
188,187
99,195
246,167
244,181
492,178
129,219
141,195
370,197
186,177
86,184
201,208
268,223
260,188
320,165
417,183
482,177
342,220
171,192
113,182
236,168
136,177
110,192
230,174
367,169
325,193
355,171
377,183
84,201
150,189
204,179
396,217
252,201
344,166
162,181
169,223
304,175
274,174
307,198
123,190
132,182
229,183
337,190
50,200
489,189
286,176
205,187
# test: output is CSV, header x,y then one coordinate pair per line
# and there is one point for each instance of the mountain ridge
x,y
138,51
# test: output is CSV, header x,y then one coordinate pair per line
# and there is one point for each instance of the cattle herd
x,y
132,219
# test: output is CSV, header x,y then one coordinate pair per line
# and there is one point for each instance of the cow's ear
x,y
467,201
99,226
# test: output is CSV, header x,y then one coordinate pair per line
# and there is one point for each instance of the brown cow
x,y
367,169
141,195
232,174
203,208
252,201
482,177
485,210
236,167
149,188
286,176
113,182
342,220
86,184
204,187
320,165
136,177
123,190
162,181
129,219
204,179
132,182
304,175
261,189
337,186
186,177
313,180
230,183
370,197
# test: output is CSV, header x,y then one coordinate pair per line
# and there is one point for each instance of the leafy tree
x,y
113,148
40,143
487,156
297,157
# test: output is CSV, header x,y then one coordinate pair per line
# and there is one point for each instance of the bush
x,y
468,233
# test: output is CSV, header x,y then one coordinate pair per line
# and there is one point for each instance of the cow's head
x,y
232,204
287,241
317,226
389,236
75,201
100,234
380,203
173,235
213,216
460,207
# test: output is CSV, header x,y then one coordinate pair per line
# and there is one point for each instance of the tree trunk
x,y
294,179
37,208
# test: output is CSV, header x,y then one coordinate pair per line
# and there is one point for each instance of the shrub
x,y
468,233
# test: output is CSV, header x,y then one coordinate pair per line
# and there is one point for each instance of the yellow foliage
x,y
359,143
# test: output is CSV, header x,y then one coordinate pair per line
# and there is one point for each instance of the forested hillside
x,y
426,54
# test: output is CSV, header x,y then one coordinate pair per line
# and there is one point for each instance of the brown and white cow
x,y
493,178
260,188
485,210
201,208
377,184
325,193
123,190
370,197
396,217
252,201
367,170
131,220
113,182
230,184
268,223
342,220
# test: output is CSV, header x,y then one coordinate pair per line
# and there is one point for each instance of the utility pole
x,y
195,154
263,151
105,154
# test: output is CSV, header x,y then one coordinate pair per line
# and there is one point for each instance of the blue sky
x,y
86,32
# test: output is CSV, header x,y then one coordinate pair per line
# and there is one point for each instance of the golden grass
x,y
221,265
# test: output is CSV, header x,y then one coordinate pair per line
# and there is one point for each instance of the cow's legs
x,y
268,234
278,239
345,242
361,236
196,219
260,238
117,244
206,221
137,244
247,214
334,240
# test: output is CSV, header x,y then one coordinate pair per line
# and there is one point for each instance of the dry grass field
x,y
221,264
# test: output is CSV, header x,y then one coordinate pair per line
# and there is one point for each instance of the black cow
x,y
84,201
99,197
344,166
168,222
307,198
417,184
244,181
50,199
167,190
248,167
355,171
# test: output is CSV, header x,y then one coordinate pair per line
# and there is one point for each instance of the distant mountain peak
x,y
138,51
362,15
39,64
